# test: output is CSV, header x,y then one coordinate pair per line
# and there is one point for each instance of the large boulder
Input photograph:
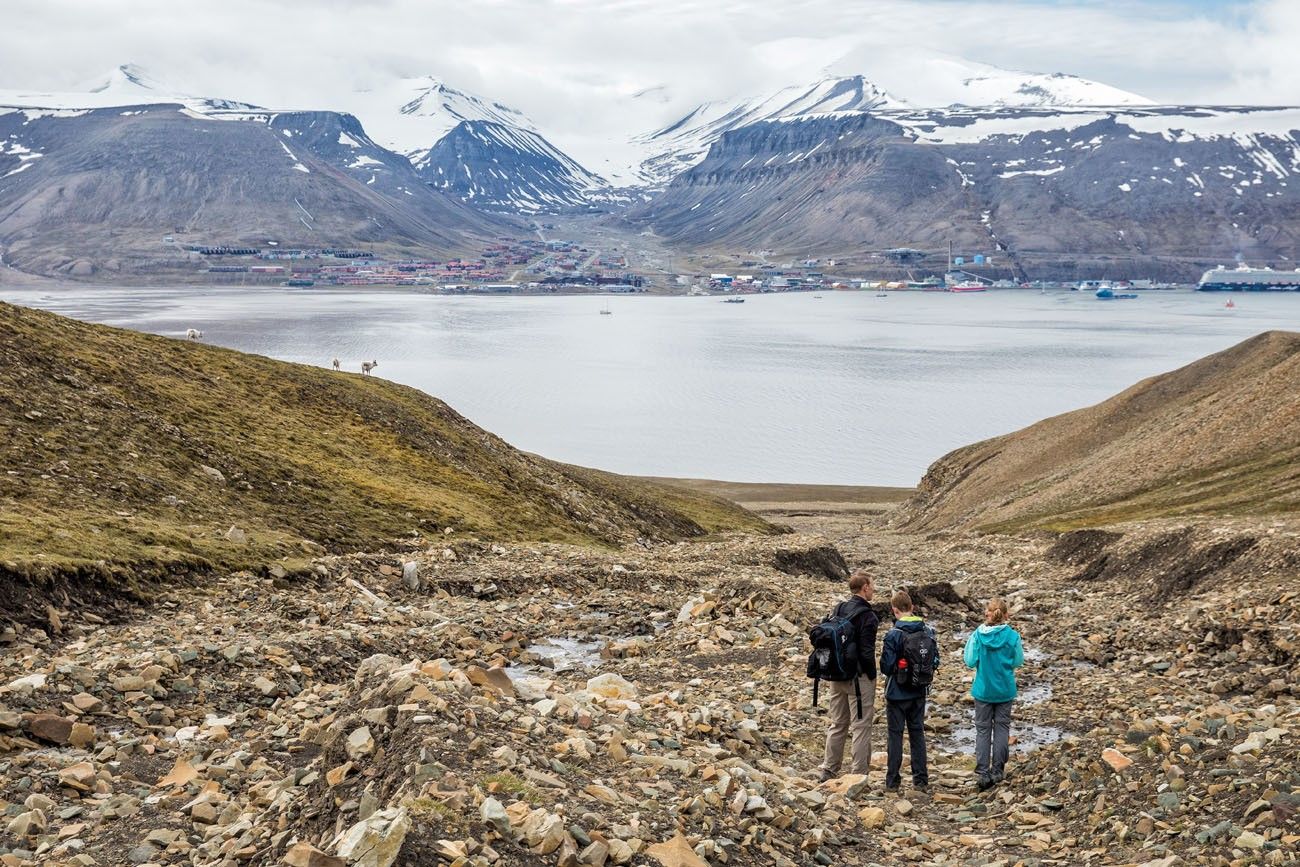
x,y
376,840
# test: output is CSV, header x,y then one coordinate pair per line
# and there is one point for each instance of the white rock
x,y
360,743
611,685
411,575
27,683
375,841
494,816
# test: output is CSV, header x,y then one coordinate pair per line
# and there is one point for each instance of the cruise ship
x,y
1247,279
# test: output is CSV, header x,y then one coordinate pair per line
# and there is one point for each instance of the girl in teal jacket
x,y
995,652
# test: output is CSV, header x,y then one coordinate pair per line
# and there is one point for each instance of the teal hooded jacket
x,y
995,653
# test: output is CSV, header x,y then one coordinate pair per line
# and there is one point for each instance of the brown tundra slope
x,y
1220,436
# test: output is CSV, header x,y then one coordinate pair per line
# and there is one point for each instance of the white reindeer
x,y
193,334
367,366
336,364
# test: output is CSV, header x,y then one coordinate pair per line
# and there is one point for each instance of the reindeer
x,y
367,366
193,334
336,364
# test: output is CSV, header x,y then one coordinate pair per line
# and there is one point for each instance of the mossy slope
x,y
141,451
1220,436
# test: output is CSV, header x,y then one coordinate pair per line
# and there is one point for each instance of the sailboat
x,y
605,311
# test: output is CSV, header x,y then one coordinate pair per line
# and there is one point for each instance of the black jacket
x,y
866,623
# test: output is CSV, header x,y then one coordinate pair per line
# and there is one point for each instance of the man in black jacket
x,y
842,702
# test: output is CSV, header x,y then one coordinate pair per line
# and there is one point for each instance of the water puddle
x,y
1039,693
1034,654
1025,737
567,654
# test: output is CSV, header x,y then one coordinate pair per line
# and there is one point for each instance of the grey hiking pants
x,y
992,735
842,704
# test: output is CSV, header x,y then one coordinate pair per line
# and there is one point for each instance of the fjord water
x,y
847,388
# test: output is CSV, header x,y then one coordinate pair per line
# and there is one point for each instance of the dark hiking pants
x,y
992,735
909,714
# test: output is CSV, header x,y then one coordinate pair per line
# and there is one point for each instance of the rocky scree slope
x,y
129,456
1220,436
97,190
369,720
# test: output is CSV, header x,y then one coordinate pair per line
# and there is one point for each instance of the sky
x,y
588,69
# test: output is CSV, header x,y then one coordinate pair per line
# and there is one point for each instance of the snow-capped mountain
x,y
127,85
499,167
935,79
411,115
1166,188
487,154
96,179
671,150
1004,87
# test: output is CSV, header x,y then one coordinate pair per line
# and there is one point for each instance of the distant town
x,y
534,265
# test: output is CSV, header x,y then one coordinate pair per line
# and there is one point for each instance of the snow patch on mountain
x,y
505,168
682,144
125,86
411,115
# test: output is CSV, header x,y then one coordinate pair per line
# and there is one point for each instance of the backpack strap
x,y
816,682
857,689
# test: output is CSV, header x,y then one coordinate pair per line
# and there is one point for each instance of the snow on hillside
x,y
936,78
1173,123
411,115
127,85
664,153
1003,87
506,168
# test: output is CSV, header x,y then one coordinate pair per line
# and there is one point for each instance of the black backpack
x,y
835,654
916,660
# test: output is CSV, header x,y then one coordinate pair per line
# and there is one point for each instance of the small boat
x,y
882,294
968,287
1230,305
1111,295
605,311
818,297
298,283
733,300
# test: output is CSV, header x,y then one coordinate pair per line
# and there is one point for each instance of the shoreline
x,y
787,496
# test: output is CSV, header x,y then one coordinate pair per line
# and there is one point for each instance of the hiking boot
x,y
986,783
825,776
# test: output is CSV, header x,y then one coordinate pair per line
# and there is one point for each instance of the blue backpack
x,y
835,653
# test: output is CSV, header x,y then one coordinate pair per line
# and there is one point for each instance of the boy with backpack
x,y
844,655
909,657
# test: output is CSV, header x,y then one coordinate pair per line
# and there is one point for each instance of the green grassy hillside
x,y
128,455
1220,436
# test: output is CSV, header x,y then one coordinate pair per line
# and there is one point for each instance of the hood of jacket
x,y
909,623
995,637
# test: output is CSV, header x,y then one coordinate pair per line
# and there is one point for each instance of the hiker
x,y
995,652
852,686
909,657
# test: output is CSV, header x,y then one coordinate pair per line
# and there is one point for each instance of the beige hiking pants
x,y
842,705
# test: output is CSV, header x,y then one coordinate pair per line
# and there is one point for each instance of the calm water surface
x,y
845,389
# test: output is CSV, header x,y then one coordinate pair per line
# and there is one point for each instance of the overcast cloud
x,y
572,65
